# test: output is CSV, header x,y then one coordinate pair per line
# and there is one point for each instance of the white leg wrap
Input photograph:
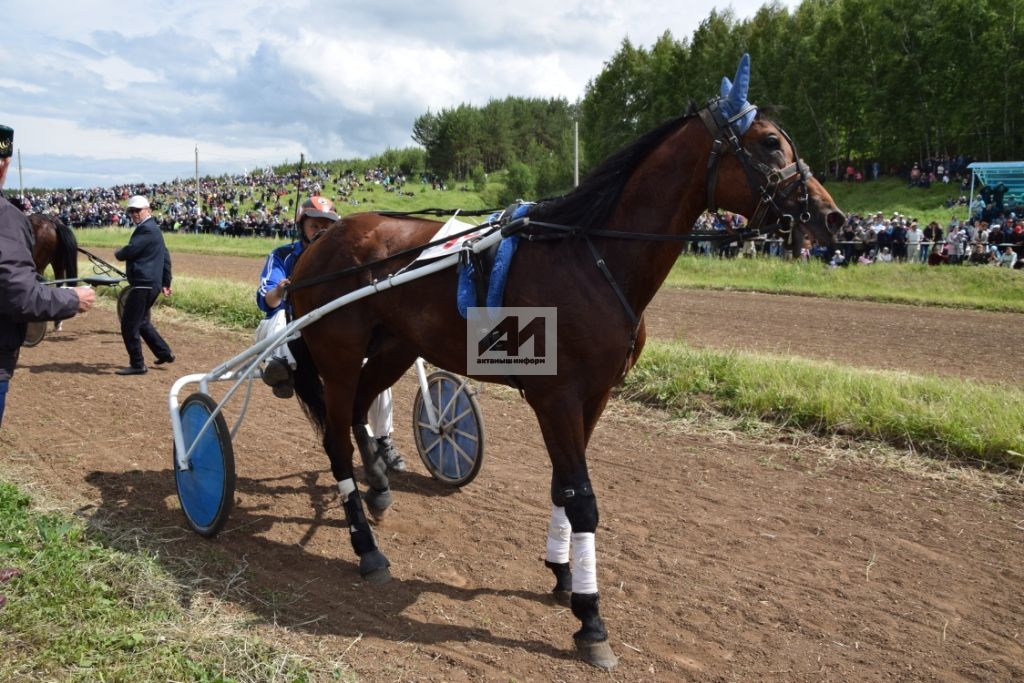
x,y
379,415
584,564
558,536
345,488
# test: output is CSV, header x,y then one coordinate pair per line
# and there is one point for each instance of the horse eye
x,y
772,142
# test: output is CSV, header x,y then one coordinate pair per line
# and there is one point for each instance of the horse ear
x,y
735,97
738,92
726,87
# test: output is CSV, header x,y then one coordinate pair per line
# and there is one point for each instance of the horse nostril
x,y
835,220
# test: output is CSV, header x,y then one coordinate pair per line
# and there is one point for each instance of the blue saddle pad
x,y
466,293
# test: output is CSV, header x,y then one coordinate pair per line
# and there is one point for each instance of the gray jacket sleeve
x,y
22,296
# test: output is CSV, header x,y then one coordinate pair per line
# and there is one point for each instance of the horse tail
x,y
308,386
66,257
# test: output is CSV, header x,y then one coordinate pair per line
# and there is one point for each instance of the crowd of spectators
x,y
993,234
261,203
876,239
871,239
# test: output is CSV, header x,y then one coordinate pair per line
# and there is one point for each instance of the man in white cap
x,y
315,215
23,298
149,273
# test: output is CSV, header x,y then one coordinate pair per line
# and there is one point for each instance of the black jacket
x,y
22,297
149,262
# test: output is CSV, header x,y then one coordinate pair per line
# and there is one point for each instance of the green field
x,y
978,287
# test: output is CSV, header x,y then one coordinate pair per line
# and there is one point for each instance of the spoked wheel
x,y
122,297
455,451
207,488
35,333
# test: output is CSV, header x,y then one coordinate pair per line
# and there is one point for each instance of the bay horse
x,y
55,246
598,255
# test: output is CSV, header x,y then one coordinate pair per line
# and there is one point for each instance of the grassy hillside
x,y
376,198
889,195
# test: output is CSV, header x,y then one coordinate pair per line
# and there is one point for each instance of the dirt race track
x,y
722,556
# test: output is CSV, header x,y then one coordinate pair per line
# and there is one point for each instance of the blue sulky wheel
x,y
207,488
454,451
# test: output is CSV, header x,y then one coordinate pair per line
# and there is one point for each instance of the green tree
x,y
519,184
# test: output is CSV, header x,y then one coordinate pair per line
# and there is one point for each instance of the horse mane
x,y
590,204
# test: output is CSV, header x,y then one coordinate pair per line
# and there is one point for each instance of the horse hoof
x,y
597,653
378,576
563,598
373,567
377,502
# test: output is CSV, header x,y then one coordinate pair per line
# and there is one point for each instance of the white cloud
x,y
11,84
97,84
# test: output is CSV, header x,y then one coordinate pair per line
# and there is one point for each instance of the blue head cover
x,y
734,97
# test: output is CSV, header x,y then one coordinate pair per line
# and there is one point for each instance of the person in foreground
x,y
23,298
149,274
315,215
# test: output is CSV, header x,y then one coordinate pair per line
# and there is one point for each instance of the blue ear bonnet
x,y
734,103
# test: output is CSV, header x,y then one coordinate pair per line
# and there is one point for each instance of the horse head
x,y
755,170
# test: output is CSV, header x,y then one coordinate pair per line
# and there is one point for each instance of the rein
x,y
778,185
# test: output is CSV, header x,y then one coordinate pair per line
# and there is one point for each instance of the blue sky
x,y
102,92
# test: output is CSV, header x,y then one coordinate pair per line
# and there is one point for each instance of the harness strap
x,y
567,231
707,115
634,321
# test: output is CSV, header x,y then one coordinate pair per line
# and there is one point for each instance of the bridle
x,y
773,186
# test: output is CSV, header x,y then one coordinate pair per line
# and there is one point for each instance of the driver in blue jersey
x,y
315,215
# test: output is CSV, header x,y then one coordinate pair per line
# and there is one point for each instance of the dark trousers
x,y
3,398
135,324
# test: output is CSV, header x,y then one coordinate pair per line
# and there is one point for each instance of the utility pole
x,y
576,150
21,182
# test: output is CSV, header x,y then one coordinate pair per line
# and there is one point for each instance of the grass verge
x,y
958,419
226,302
83,610
214,245
972,287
